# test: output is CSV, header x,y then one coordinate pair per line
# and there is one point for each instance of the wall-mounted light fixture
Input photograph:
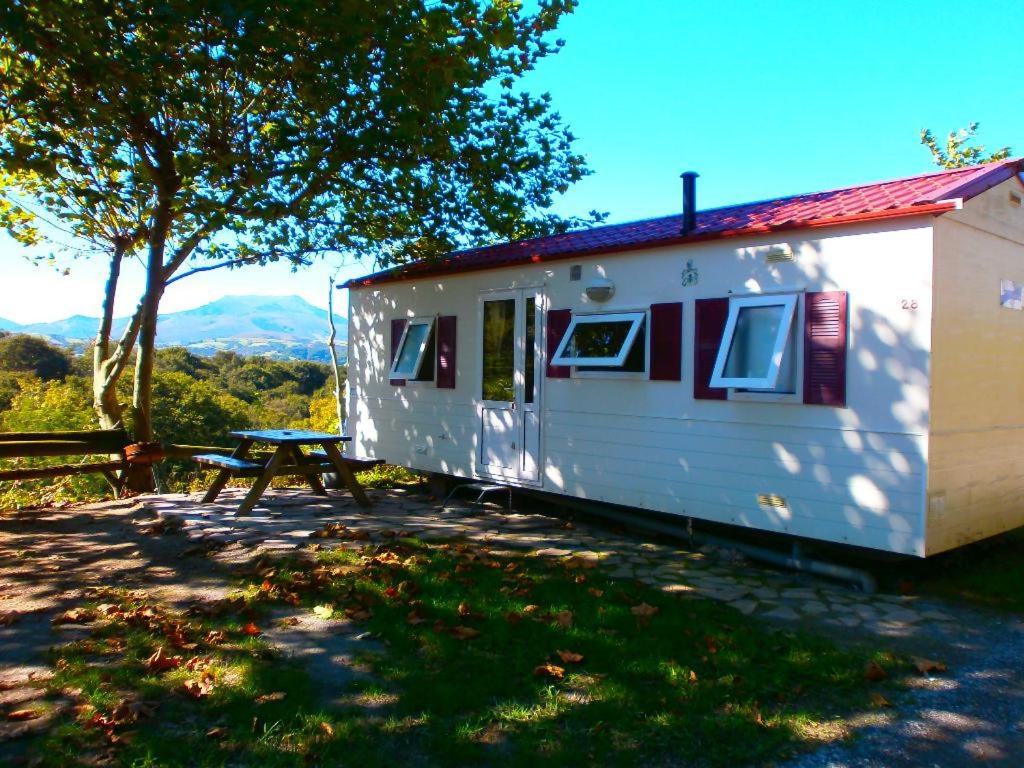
x,y
600,289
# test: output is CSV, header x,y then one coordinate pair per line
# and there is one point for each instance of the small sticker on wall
x,y
1011,295
690,274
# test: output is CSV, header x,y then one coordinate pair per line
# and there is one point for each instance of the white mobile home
x,y
844,365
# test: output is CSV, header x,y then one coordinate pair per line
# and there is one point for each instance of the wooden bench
x,y
239,467
247,468
112,442
356,465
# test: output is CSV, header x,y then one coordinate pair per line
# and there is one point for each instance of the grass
x,y
479,660
989,573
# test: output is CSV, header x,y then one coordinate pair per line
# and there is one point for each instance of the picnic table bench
x,y
287,459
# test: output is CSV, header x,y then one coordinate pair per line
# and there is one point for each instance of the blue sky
x,y
761,98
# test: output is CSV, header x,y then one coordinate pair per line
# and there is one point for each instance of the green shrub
x,y
46,406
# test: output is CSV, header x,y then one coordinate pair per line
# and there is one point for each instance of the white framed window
x,y
414,361
607,341
758,350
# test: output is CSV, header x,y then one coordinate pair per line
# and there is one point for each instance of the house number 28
x,y
909,303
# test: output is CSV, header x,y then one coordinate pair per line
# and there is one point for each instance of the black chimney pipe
x,y
689,202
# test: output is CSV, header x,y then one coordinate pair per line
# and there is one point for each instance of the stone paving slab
x,y
285,520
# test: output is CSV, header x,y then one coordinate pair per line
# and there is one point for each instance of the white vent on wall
x,y
778,254
774,504
576,272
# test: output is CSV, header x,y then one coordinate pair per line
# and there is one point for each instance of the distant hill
x,y
281,327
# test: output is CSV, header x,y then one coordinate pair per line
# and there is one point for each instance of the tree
x,y
22,353
957,153
339,398
212,134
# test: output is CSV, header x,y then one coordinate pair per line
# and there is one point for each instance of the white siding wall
x,y
976,461
854,475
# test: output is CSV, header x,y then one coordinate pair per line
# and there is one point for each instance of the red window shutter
x,y
709,324
397,329
446,352
666,342
558,322
825,348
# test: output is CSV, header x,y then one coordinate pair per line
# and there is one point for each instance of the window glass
x,y
416,337
603,341
600,339
499,340
636,360
757,352
531,347
753,342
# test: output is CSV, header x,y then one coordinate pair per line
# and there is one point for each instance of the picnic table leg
x,y
263,480
314,480
224,475
346,475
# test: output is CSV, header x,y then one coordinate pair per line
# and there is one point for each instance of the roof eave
x,y
445,268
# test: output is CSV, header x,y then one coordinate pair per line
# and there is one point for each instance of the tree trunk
x,y
141,478
142,399
339,400
104,390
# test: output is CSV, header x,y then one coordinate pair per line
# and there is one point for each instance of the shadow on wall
x,y
861,467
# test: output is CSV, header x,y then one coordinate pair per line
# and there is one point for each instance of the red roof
x,y
931,193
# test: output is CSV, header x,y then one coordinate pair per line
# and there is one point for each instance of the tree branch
x,y
211,267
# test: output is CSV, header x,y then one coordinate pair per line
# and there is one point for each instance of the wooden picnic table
x,y
287,459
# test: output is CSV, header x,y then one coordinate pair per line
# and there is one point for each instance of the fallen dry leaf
x,y
75,616
327,728
875,672
324,611
160,661
644,611
513,618
24,714
564,619
596,592
198,688
196,663
414,617
217,733
531,609
552,671
251,630
927,666
215,637
464,633
693,676
9,617
879,701
568,657
709,641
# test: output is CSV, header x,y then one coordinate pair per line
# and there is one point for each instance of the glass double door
x,y
510,384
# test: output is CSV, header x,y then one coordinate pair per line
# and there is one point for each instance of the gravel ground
x,y
973,715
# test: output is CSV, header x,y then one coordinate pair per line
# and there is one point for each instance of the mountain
x,y
282,327
8,325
